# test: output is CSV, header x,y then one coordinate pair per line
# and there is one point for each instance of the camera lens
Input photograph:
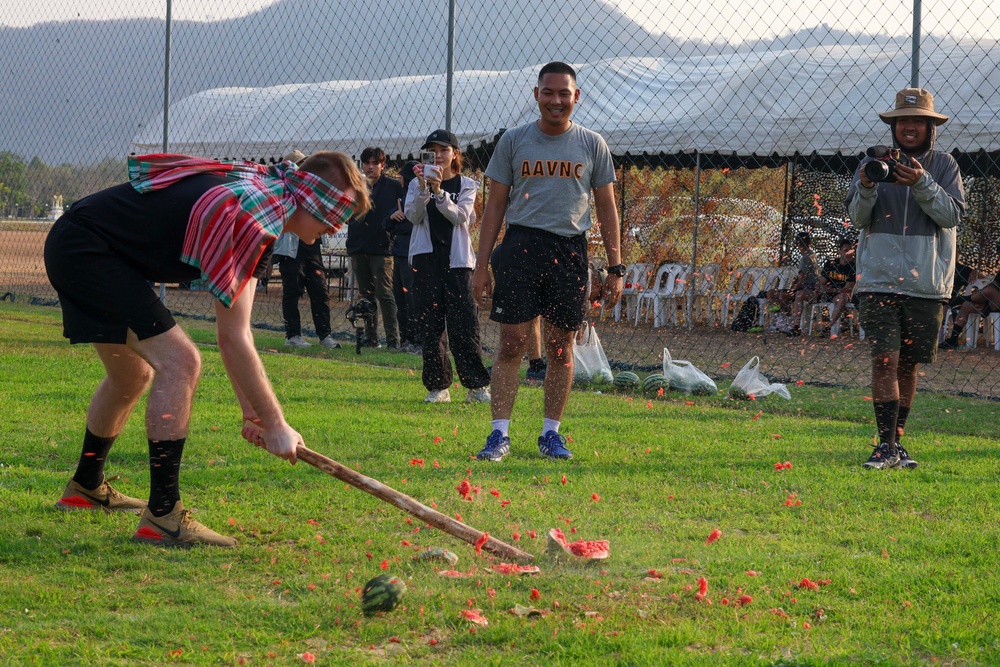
x,y
876,171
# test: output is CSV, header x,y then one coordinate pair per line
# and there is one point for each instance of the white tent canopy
x,y
821,100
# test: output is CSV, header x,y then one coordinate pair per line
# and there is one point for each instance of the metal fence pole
x,y
915,55
166,108
451,65
694,239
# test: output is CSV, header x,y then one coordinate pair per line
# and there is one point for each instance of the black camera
x,y
883,168
361,314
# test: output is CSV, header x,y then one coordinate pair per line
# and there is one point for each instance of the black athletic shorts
x,y
102,296
540,273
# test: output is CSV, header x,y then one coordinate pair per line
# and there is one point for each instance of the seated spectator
x,y
837,282
981,302
803,289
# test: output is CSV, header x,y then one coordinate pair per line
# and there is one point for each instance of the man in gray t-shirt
x,y
541,176
550,177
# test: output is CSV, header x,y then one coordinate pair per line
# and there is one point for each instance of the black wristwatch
x,y
617,270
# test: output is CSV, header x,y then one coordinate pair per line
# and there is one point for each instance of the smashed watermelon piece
x,y
455,574
511,568
474,616
586,549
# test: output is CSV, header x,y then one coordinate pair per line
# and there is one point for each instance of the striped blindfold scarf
x,y
232,224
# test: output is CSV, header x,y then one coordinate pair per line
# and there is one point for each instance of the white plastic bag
x,y
685,377
751,382
590,364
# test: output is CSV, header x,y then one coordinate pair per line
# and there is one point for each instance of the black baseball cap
x,y
442,137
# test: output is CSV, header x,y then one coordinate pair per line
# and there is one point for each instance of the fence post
x,y
694,239
166,108
915,55
450,65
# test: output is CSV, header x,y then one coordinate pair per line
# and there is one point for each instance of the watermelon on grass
x,y
654,382
382,593
626,381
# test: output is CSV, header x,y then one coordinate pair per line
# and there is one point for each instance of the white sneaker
x,y
329,342
481,395
297,341
439,396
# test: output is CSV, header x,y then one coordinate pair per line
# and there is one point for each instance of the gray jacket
x,y
907,242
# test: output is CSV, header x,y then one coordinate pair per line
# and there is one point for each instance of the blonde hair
x,y
340,171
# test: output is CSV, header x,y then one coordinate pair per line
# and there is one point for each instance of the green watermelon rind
x,y
382,593
654,382
626,381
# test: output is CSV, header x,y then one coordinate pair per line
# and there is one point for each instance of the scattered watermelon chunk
x,y
587,549
474,616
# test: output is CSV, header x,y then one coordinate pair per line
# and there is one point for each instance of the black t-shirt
x,y
147,230
839,274
441,228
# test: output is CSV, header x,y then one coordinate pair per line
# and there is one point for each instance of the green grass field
x,y
905,561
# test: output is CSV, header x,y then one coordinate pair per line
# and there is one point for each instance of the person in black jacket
x,y
402,273
370,247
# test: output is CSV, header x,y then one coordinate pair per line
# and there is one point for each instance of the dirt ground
x,y
719,352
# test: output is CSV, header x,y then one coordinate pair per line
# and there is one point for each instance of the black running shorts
x,y
102,295
540,273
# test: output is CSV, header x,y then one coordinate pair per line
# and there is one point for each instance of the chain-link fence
x,y
733,128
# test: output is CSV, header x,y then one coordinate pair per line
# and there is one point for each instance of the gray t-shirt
x,y
550,178
809,269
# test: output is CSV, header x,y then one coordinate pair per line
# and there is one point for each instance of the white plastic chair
x,y
747,286
662,283
699,292
634,282
671,289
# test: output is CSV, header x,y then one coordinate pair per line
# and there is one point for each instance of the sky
x,y
709,20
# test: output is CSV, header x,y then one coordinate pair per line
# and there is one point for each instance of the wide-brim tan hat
x,y
295,156
914,102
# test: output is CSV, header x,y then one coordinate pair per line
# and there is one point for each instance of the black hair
x,y
803,238
372,152
557,67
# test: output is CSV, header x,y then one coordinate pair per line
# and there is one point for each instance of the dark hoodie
x,y
907,242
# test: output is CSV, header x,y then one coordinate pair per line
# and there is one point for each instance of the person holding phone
x,y
440,205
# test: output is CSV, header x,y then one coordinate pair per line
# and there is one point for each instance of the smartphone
x,y
428,158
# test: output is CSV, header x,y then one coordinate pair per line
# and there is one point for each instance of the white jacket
x,y
460,213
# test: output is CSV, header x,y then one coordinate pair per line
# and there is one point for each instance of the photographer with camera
x,y
907,201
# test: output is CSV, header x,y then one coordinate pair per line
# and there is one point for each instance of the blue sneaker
x,y
497,447
553,445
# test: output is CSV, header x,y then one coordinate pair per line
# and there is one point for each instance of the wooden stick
x,y
407,504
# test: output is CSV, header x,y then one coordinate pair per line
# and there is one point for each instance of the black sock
x,y
952,338
164,469
90,470
904,412
536,364
885,420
